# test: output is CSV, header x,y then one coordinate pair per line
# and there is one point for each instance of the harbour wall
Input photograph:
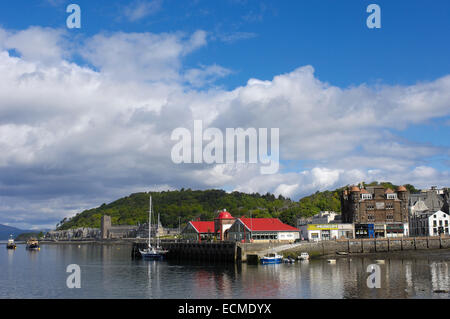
x,y
370,245
251,252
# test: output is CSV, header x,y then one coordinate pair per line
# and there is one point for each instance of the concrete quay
x,y
235,252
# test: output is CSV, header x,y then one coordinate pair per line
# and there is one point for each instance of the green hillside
x,y
187,205
184,204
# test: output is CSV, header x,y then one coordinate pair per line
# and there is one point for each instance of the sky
x,y
86,115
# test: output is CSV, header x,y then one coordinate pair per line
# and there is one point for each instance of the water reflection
x,y
109,272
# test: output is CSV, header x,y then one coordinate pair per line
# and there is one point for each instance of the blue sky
x,y
92,116
411,46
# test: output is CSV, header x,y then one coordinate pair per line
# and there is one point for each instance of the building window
x,y
434,223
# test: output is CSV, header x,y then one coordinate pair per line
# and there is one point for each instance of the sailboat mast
x,y
157,233
150,221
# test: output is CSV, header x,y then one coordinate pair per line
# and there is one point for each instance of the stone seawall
x,y
355,246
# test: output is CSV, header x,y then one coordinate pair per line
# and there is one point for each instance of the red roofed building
x,y
198,231
222,223
262,230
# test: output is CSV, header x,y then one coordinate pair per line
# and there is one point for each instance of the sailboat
x,y
151,252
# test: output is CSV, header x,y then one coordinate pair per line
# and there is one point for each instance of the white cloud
x,y
205,75
73,137
37,44
141,56
138,10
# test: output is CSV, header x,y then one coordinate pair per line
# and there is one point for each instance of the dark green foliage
x,y
27,236
185,205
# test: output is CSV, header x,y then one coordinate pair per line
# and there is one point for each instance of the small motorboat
x,y
33,244
303,256
380,261
331,261
272,259
342,253
11,244
289,260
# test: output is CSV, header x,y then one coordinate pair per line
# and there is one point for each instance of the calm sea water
x,y
107,271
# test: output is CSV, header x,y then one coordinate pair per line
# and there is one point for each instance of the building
x,y
428,223
74,234
222,223
433,199
376,211
262,230
116,232
198,231
324,217
318,232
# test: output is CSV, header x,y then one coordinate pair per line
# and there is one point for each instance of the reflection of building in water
x,y
440,278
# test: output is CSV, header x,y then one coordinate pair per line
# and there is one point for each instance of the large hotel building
x,y
376,211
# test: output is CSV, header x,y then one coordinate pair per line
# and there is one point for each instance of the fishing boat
x,y
152,252
272,259
33,244
11,244
303,256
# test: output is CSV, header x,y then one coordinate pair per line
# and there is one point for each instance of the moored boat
x,y
154,253
11,244
303,256
272,259
33,244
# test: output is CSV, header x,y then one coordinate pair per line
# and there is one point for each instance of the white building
x,y
318,232
324,217
429,223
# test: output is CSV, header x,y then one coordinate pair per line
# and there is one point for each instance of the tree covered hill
x,y
186,205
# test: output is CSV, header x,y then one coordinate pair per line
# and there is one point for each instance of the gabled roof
x,y
266,224
203,227
364,191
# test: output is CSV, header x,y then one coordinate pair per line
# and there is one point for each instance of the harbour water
x,y
107,271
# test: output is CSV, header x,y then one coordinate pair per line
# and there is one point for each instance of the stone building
x,y
376,211
433,199
116,232
74,234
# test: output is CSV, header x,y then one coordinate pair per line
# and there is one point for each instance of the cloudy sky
x,y
86,115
